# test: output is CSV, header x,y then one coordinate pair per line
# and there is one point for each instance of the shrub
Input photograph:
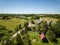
x,y
19,40
57,27
42,27
50,35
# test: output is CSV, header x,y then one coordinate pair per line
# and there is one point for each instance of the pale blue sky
x,y
30,6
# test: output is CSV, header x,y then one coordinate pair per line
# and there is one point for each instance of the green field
x,y
11,24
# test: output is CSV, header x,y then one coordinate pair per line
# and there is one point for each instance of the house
x,y
48,23
31,25
42,36
39,21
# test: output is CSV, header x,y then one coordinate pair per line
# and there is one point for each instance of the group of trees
x,y
5,39
52,31
4,34
57,28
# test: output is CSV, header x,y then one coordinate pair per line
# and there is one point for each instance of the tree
x,y
7,41
26,26
2,27
26,39
57,27
50,35
32,22
42,27
3,32
19,40
18,27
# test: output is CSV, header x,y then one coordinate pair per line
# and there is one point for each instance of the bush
x,y
57,27
19,40
42,27
50,35
2,27
18,27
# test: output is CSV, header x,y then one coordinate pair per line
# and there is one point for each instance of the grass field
x,y
48,19
11,24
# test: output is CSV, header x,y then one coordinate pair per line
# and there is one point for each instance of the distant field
x,y
11,24
48,19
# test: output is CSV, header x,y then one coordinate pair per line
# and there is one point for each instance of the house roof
x,y
42,35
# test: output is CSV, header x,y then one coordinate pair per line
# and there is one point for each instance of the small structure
x,y
48,23
31,25
42,36
39,21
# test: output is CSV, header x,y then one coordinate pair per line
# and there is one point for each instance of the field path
x,y
18,32
14,35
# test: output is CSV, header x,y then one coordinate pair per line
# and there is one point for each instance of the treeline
x,y
57,16
31,15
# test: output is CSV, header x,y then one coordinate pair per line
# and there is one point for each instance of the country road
x,y
14,35
18,32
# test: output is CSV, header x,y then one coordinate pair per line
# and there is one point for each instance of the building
x,y
31,25
39,21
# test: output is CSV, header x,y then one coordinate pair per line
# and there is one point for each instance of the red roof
x,y
42,35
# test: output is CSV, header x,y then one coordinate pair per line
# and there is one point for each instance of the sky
x,y
30,6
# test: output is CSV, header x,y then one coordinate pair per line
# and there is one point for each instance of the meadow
x,y
11,24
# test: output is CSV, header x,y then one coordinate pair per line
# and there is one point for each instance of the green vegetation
x,y
25,29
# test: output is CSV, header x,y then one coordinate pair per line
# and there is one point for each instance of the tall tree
x,y
19,40
57,27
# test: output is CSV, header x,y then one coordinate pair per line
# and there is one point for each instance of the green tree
x,y
26,39
42,27
57,27
18,27
26,27
19,40
50,35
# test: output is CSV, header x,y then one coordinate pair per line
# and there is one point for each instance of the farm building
x,y
43,38
31,25
39,21
48,23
